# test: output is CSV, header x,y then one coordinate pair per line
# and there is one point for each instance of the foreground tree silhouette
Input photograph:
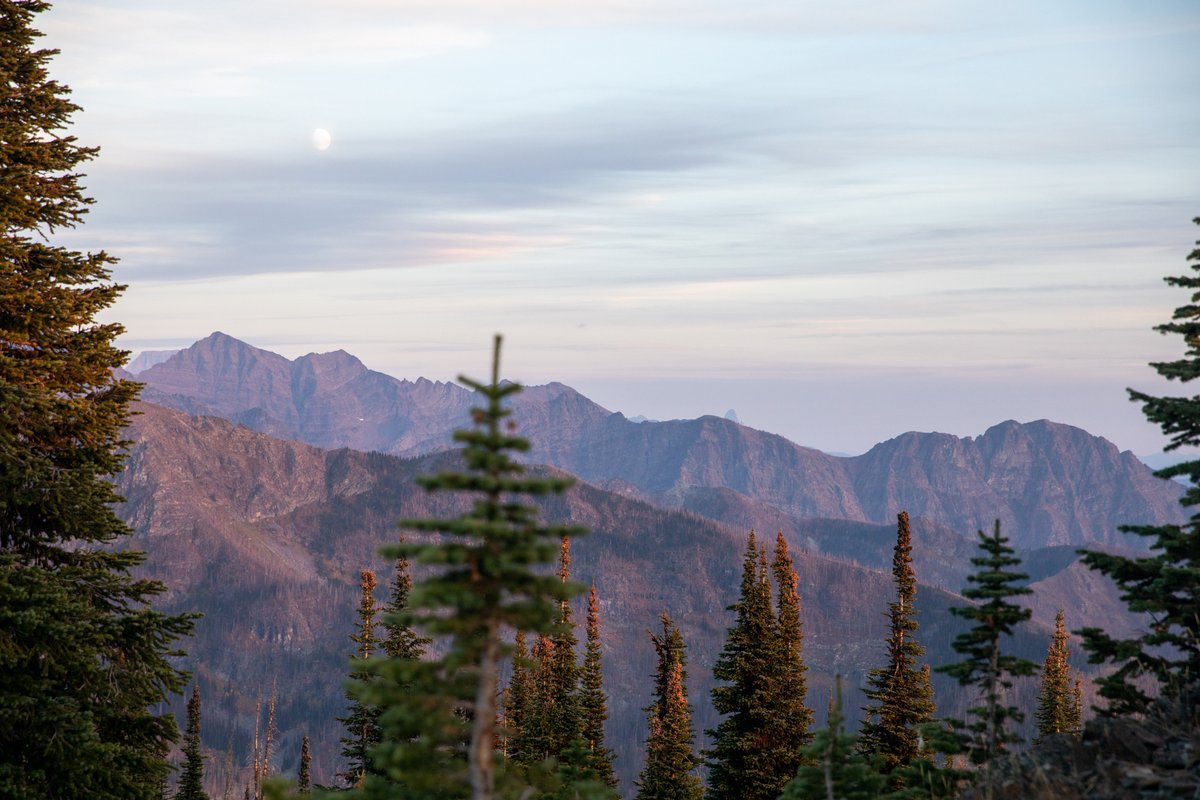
x,y
1166,585
485,579
900,693
987,666
82,655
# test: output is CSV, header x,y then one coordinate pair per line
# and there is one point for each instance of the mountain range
x,y
260,486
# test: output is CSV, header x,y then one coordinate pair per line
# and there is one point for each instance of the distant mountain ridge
x,y
266,536
1048,483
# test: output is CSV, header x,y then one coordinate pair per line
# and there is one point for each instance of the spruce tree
x,y
486,579
400,639
191,780
303,780
362,720
562,696
737,759
83,658
900,694
670,756
790,722
1075,720
1166,584
986,666
593,702
1056,700
758,746
834,767
518,702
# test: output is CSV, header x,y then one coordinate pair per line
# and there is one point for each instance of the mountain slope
x,y
1048,483
266,538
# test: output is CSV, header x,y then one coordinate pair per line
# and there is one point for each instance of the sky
x,y
843,220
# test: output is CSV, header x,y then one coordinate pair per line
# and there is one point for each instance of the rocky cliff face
x,y
1048,483
266,537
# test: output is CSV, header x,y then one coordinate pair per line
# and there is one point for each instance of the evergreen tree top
x,y
1166,584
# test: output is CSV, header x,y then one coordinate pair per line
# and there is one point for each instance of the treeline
x,y
437,722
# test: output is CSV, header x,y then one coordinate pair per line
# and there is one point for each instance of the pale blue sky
x,y
845,222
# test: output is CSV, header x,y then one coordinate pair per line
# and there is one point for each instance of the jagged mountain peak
x,y
1049,483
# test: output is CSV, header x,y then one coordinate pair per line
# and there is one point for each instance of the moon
x,y
321,139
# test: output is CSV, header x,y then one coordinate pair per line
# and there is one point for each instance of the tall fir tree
x,y
760,743
1166,584
789,728
900,693
986,666
400,639
304,779
737,760
191,780
562,698
670,754
1056,700
518,702
84,658
486,579
593,702
362,720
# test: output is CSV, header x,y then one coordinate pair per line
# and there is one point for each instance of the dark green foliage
x,y
518,699
900,693
191,780
303,782
987,666
1056,711
400,639
834,766
670,756
83,657
439,717
593,702
758,746
1165,585
561,698
362,721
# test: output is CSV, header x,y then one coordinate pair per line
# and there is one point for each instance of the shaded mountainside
x,y
1049,484
266,537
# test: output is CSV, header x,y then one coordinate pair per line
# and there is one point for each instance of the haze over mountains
x,y
263,526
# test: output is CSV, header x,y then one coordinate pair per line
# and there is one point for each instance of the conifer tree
x,y
400,639
1165,585
303,780
1056,701
84,658
736,761
486,579
758,746
1076,718
593,702
900,694
518,701
670,756
191,780
834,767
791,720
362,721
562,697
987,666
